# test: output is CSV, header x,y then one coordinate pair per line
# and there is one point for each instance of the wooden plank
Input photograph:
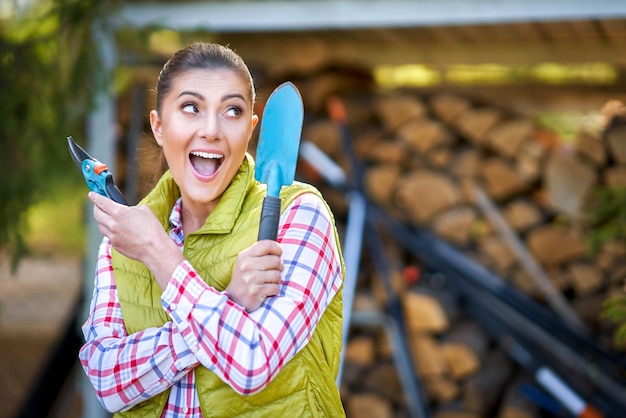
x,y
614,30
559,31
586,31
281,51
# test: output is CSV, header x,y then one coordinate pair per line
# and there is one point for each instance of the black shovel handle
x,y
270,213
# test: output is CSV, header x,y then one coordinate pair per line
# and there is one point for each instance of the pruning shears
x,y
97,174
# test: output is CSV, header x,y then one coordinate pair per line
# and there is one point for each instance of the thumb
x,y
100,201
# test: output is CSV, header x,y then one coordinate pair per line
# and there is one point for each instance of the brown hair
x,y
201,55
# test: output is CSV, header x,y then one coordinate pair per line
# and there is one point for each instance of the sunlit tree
x,y
47,79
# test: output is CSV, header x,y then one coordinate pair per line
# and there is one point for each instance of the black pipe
x,y
522,317
54,375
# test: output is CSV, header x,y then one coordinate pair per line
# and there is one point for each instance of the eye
x,y
234,111
190,108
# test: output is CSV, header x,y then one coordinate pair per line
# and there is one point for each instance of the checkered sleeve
x,y
247,350
127,369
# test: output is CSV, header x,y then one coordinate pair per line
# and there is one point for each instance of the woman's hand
x,y
136,232
256,275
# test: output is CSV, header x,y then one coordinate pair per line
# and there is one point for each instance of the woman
x,y
190,316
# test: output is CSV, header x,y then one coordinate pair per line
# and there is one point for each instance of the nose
x,y
210,127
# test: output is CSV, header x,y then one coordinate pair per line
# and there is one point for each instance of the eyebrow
x,y
201,97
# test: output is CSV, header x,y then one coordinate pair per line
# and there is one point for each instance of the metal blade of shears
x,y
97,175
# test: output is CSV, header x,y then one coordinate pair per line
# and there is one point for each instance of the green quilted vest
x,y
306,386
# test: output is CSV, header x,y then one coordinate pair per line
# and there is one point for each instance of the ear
x,y
155,124
254,121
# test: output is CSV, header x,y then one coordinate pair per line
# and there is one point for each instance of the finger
x,y
271,277
266,247
96,198
107,205
271,289
268,263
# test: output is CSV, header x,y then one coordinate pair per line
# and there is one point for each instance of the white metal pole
x,y
101,138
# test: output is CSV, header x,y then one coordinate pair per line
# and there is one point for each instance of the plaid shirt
x,y
246,350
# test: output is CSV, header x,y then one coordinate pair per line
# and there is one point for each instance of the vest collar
x,y
221,221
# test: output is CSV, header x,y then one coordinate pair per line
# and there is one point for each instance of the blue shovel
x,y
277,151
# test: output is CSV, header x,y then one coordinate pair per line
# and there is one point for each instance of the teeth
x,y
207,155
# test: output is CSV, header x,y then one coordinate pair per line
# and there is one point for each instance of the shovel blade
x,y
279,138
277,152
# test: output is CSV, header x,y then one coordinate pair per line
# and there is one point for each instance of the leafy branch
x,y
47,67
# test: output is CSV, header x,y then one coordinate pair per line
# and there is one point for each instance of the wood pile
x,y
490,181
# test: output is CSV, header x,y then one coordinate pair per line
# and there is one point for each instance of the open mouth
x,y
205,163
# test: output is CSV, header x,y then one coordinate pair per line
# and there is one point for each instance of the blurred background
x,y
497,126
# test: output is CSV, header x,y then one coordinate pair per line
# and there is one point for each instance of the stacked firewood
x,y
491,182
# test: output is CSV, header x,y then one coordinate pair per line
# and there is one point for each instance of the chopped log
x,y
559,278
552,245
618,276
444,300
524,282
384,152
380,182
529,161
440,158
522,215
506,137
422,135
586,278
366,139
359,109
474,123
326,136
368,405
427,356
500,255
467,195
588,308
466,163
425,193
615,176
440,389
568,183
317,89
361,351
448,106
611,253
462,360
591,148
616,141
383,379
455,225
423,313
481,391
470,334
501,180
394,110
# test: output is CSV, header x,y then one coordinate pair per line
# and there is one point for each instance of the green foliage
x,y
607,214
47,66
614,309
55,223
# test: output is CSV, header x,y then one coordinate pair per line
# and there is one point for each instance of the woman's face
x,y
204,126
